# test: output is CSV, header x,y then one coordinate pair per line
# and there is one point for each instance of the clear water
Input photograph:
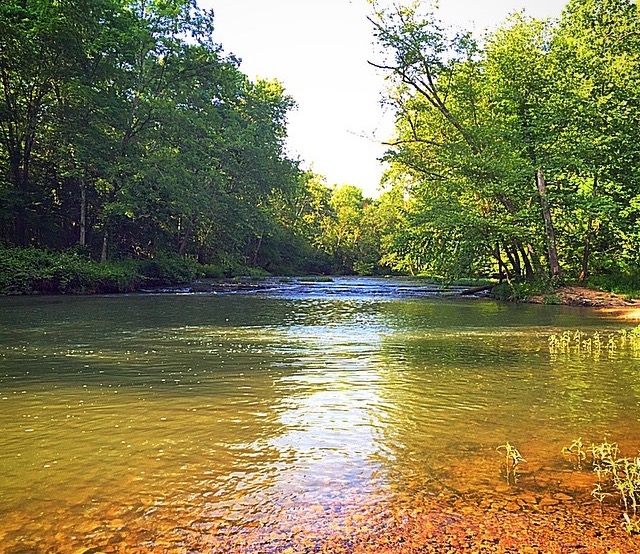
x,y
164,422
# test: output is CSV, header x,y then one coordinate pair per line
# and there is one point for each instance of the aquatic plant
x,y
600,494
576,451
617,477
578,341
605,458
631,525
512,459
627,482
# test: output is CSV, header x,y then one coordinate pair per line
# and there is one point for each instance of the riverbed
x,y
343,416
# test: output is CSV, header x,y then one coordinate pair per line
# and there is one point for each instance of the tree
x,y
595,53
129,133
521,150
41,47
453,148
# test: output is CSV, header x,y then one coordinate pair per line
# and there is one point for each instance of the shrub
x,y
626,284
167,269
26,271
213,271
521,292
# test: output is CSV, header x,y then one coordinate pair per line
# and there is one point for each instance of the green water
x,y
164,421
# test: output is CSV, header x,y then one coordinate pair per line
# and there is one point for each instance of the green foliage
x,y
475,124
521,292
26,271
165,269
335,230
552,300
626,284
29,271
126,131
213,271
254,273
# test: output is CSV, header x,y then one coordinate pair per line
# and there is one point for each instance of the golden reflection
x,y
330,412
262,425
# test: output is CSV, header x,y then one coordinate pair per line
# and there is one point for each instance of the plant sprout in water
x,y
575,451
617,476
512,459
578,341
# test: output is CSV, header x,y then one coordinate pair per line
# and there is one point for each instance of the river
x,y
254,418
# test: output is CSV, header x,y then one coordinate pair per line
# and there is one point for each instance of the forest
x,y
133,147
517,153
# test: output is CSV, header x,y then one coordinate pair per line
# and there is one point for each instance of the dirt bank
x,y
607,302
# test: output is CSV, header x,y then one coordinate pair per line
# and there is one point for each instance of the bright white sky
x,y
319,50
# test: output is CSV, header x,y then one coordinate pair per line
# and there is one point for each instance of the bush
x,y
213,271
626,284
29,270
255,272
26,271
521,292
20,268
167,269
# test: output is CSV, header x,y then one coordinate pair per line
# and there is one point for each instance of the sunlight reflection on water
x,y
220,412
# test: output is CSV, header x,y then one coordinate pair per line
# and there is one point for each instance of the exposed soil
x,y
613,304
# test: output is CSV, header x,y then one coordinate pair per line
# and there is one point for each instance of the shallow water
x,y
164,422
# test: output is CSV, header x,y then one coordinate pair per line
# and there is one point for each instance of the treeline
x,y
518,155
127,133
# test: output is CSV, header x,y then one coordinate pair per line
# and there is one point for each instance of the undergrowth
x,y
27,271
624,284
521,292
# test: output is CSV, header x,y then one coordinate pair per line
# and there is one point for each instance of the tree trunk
x,y
535,260
584,272
514,259
105,243
554,265
529,274
20,210
184,241
474,290
82,240
503,268
256,251
587,239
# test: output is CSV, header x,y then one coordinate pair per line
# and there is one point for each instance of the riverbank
x,y
33,271
26,271
614,305
573,295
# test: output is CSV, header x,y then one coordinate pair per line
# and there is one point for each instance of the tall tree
x,y
522,150
595,55
126,130
41,46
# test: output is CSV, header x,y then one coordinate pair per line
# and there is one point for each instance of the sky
x,y
319,50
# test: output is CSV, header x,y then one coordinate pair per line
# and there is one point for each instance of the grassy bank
x,y
34,271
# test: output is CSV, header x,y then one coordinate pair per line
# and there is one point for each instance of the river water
x,y
232,421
